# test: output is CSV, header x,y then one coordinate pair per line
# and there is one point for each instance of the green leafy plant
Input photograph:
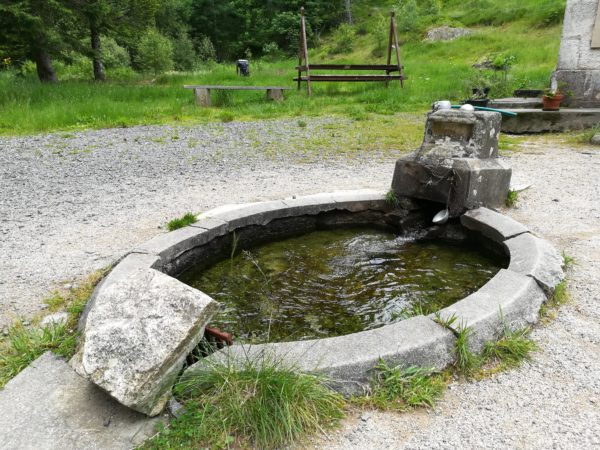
x,y
568,261
465,361
511,349
183,221
392,198
394,388
154,53
512,198
255,403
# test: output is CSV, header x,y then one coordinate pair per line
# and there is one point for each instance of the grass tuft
x,y
23,344
392,198
180,222
568,261
511,349
512,198
257,403
394,388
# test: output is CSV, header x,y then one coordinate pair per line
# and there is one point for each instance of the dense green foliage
x,y
257,403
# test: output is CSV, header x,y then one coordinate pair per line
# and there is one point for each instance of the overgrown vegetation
x,y
511,349
436,70
394,388
257,403
183,221
24,344
512,198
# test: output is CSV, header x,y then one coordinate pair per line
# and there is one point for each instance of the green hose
x,y
483,108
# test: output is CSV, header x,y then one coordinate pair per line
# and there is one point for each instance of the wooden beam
x,y
390,68
351,78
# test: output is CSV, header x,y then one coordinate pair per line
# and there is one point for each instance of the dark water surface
x,y
336,282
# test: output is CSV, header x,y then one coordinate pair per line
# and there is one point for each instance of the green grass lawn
x,y
435,71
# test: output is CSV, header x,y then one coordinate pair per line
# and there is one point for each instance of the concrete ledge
x,y
536,258
539,121
48,406
348,361
507,300
492,225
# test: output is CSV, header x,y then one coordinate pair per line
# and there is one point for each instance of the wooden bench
x,y
202,93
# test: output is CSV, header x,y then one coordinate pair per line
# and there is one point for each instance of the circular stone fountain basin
x,y
334,282
140,300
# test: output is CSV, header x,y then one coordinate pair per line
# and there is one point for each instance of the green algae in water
x,y
336,282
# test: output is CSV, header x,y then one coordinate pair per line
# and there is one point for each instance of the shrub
x,y
343,39
184,55
113,55
155,53
206,50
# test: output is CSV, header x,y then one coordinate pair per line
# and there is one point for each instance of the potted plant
x,y
551,99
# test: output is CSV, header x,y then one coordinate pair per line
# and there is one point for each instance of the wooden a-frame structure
x,y
304,68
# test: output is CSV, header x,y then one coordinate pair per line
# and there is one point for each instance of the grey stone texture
x,y
511,103
536,258
446,33
578,63
457,164
477,182
48,406
595,140
492,225
137,332
454,133
538,121
509,300
348,361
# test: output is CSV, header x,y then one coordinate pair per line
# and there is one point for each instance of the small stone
x,y
56,318
595,139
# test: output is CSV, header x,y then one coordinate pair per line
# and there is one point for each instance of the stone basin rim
x,y
511,298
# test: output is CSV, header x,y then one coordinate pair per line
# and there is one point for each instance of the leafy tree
x,y
184,54
155,52
37,30
112,17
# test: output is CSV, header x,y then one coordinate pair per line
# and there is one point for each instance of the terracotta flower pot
x,y
552,103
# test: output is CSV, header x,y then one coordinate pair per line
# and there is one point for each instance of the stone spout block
x,y
477,182
137,331
460,134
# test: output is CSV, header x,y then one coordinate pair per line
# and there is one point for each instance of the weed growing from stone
x,y
392,198
302,124
512,198
394,388
253,404
466,362
511,349
24,344
183,221
568,261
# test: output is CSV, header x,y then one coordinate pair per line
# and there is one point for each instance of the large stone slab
x,y
538,121
536,258
348,361
48,406
508,300
493,225
136,335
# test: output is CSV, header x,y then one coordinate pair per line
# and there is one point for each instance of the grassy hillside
x,y
526,32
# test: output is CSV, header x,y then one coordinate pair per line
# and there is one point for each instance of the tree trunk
x,y
99,74
43,64
348,6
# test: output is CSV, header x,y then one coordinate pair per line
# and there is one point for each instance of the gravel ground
x,y
73,203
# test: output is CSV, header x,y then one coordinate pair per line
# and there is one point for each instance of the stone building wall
x,y
579,63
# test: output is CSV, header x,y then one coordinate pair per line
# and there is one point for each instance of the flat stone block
x,y
536,258
538,121
491,224
516,103
348,361
137,335
310,204
238,216
508,300
361,200
48,406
